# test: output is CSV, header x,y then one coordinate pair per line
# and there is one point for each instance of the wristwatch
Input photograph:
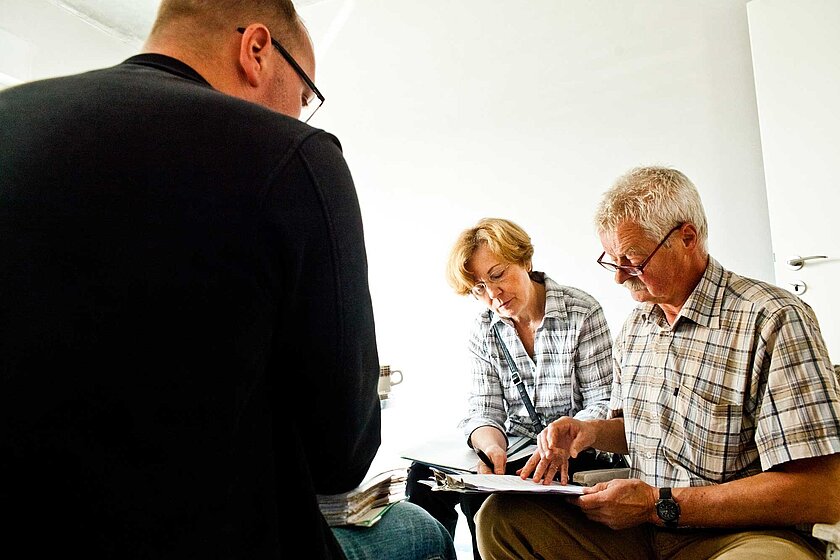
x,y
667,509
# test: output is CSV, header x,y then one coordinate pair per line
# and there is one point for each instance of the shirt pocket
x,y
702,436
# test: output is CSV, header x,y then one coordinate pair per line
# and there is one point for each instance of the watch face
x,y
668,510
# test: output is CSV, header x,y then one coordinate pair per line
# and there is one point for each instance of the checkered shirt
x,y
741,382
571,369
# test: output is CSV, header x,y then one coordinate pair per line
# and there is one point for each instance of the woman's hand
x,y
492,442
498,456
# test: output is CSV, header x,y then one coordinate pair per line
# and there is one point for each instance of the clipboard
x,y
493,483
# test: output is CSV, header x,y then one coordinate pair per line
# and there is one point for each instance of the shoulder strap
x,y
517,380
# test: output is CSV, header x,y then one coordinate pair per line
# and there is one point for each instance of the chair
x,y
825,532
830,534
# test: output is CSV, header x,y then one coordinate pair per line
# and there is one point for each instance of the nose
x,y
621,276
492,290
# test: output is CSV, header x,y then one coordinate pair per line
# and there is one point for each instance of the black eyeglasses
x,y
634,269
310,105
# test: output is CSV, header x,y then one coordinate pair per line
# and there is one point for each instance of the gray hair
x,y
656,199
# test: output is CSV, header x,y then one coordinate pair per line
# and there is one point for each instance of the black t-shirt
x,y
176,267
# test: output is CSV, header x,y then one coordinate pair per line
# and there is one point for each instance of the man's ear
x,y
688,235
254,52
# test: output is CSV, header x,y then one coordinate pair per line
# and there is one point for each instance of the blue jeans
x,y
406,532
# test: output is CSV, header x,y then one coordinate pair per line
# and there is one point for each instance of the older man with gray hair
x,y
723,398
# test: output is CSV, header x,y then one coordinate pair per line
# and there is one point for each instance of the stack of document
x,y
367,503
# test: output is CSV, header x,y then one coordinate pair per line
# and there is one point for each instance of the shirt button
x,y
648,455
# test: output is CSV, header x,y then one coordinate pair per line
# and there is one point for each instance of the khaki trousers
x,y
546,527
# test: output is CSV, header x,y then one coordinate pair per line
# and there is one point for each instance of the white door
x,y
796,62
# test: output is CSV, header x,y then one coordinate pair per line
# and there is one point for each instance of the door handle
x,y
796,262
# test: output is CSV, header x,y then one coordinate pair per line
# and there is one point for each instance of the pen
x,y
485,459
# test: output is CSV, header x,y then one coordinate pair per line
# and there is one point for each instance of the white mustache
x,y
634,285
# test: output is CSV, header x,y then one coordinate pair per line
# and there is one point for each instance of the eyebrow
x,y
489,272
494,267
628,252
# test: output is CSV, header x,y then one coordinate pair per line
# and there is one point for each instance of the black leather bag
x,y
588,460
591,460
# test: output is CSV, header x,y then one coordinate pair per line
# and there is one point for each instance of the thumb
x,y
575,448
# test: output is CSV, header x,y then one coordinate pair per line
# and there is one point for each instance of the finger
x,y
544,473
577,446
564,472
542,443
539,471
553,469
550,438
528,468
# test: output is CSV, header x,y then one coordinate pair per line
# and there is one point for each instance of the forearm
x,y
807,491
609,435
486,436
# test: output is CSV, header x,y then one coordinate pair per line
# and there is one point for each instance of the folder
x,y
365,505
451,454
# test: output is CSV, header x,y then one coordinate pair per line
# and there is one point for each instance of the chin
x,y
640,295
503,312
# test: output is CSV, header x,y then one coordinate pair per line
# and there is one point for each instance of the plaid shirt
x,y
739,383
569,375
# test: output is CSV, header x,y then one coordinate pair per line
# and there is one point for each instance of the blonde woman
x,y
559,343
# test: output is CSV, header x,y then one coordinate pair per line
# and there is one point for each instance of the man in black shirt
x,y
187,343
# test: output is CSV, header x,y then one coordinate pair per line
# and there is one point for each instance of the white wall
x,y
40,40
451,111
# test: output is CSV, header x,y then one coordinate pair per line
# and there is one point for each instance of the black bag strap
x,y
517,380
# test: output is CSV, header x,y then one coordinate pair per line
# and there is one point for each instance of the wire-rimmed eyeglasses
x,y
480,289
314,101
635,269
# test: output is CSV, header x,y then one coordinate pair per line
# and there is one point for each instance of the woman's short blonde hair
x,y
504,238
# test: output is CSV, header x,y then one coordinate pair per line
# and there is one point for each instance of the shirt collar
x,y
704,303
167,64
555,306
